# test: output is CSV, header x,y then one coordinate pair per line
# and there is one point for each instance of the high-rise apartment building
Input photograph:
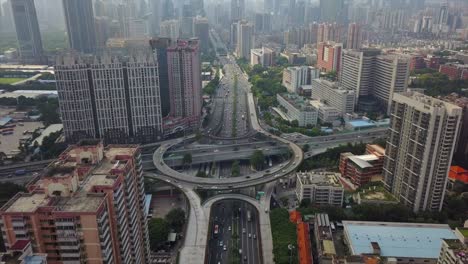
x,y
329,56
197,6
371,74
263,56
156,8
184,72
328,32
116,99
460,155
390,76
201,31
245,39
420,144
87,206
81,28
27,31
354,40
6,17
357,70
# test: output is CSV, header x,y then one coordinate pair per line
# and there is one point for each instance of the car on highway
x,y
229,228
243,230
245,258
221,243
224,248
250,235
255,236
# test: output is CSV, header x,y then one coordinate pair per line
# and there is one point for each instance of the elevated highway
x,y
257,178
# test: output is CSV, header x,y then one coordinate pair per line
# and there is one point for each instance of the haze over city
x,y
234,131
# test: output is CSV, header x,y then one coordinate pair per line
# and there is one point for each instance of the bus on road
x,y
249,216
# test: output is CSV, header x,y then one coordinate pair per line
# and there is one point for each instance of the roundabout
x,y
258,178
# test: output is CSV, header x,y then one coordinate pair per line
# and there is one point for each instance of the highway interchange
x,y
201,220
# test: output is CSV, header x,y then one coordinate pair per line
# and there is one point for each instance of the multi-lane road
x,y
234,235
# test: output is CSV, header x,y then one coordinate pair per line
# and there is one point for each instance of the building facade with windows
x,y
88,205
116,99
420,144
295,107
321,188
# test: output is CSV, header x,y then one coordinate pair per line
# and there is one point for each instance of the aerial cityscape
x,y
234,131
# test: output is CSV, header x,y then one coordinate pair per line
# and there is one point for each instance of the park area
x,y
10,80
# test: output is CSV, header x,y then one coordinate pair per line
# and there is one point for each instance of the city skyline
x,y
234,131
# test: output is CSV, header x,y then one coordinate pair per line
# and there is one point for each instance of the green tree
x,y
51,149
201,174
176,219
283,233
187,159
198,136
158,229
257,159
331,75
306,147
305,203
235,169
295,123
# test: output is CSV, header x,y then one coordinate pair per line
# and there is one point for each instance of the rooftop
x,y
427,101
363,161
83,202
297,101
90,164
397,239
28,203
319,178
361,123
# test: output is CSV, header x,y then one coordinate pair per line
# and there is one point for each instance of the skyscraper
x,y
81,28
170,29
332,11
6,18
419,150
245,39
116,99
201,31
237,10
156,9
197,6
27,31
184,70
160,46
354,40
86,206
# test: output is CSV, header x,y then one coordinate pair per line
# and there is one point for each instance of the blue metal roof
x,y
361,123
5,120
397,239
